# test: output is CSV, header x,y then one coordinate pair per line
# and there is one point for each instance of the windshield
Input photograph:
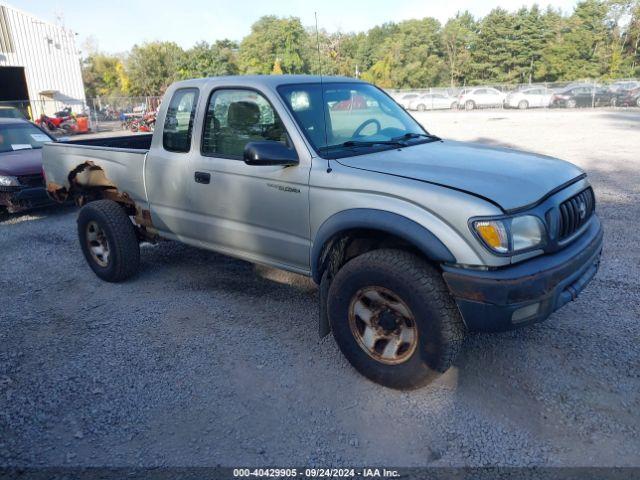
x,y
21,136
10,113
357,118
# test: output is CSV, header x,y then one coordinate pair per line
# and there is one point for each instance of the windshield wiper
x,y
368,143
409,136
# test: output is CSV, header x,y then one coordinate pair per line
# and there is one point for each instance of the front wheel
x,y
469,105
393,318
523,105
108,240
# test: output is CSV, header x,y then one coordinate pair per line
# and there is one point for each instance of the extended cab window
x,y
178,124
237,117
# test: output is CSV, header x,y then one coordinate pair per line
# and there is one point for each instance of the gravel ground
x,y
206,360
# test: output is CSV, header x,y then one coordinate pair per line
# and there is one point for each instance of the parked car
x,y
21,181
413,240
356,102
11,112
582,96
482,97
535,97
433,101
406,99
624,86
626,98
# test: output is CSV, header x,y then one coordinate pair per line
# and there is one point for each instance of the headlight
x,y
510,235
6,181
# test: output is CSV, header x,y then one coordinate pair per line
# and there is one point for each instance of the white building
x,y
39,64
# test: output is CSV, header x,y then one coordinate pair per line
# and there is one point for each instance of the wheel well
x,y
88,182
349,244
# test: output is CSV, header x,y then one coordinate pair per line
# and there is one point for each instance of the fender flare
x,y
381,220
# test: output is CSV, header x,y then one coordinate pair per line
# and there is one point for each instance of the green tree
x,y
104,76
583,48
152,67
632,40
458,38
493,57
412,58
205,60
271,39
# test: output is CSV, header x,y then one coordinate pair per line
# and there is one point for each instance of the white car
x,y
535,97
406,99
433,101
481,97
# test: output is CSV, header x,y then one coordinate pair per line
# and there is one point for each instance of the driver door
x,y
260,213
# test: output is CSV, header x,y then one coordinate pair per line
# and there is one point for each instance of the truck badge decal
x,y
283,188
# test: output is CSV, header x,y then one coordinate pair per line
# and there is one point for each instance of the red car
x,y
22,183
357,102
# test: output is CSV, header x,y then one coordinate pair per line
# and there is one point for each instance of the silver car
x,y
413,240
482,97
433,101
535,97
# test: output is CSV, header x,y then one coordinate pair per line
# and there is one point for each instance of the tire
x,y
469,105
571,103
638,102
105,221
614,102
408,279
523,104
422,108
454,105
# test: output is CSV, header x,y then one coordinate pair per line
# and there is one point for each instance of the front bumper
x,y
528,292
24,198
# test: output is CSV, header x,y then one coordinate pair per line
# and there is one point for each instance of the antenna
x,y
324,105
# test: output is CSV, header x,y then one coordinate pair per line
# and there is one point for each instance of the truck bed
x,y
75,167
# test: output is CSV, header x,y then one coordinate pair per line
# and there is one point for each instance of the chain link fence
x,y
118,114
62,118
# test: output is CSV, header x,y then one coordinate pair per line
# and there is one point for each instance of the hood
x,y
21,162
509,178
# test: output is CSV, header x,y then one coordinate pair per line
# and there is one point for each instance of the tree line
x,y
600,39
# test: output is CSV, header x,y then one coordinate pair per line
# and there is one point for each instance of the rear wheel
x,y
108,240
421,108
393,318
469,105
523,105
454,105
571,103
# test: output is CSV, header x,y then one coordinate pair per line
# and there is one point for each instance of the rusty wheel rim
x,y
98,244
383,325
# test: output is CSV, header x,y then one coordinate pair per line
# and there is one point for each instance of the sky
x,y
116,25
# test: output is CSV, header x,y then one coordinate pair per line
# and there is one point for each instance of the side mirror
x,y
269,153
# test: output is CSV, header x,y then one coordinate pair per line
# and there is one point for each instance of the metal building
x,y
39,64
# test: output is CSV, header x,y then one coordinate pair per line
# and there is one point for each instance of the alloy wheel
x,y
383,325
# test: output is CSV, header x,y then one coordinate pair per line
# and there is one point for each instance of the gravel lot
x,y
206,360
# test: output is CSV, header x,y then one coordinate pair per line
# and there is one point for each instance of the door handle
x,y
202,177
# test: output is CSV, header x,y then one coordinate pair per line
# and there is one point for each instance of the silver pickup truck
x,y
413,240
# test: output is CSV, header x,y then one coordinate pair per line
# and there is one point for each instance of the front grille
x,y
31,180
575,212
